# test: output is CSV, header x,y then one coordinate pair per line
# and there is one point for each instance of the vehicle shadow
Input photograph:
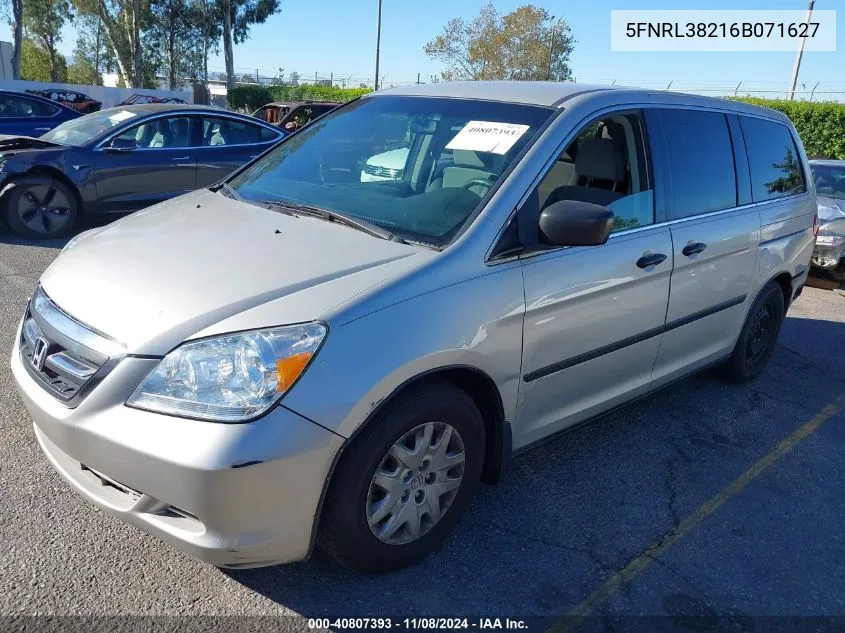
x,y
7,236
569,514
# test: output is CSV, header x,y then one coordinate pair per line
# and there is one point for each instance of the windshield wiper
x,y
335,216
229,192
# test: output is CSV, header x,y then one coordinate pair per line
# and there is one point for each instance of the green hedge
x,y
821,125
249,97
253,97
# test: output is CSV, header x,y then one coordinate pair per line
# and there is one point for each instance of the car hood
x,y
159,276
830,209
9,144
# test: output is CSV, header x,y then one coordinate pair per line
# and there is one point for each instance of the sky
x,y
338,36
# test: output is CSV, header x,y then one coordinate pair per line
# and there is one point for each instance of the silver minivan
x,y
303,356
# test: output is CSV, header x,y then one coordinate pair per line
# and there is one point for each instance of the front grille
x,y
383,172
66,357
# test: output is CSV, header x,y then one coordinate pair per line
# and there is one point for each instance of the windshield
x,y
416,166
82,130
830,180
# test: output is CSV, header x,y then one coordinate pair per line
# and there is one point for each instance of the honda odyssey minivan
x,y
299,356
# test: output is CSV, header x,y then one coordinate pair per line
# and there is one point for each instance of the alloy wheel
x,y
44,209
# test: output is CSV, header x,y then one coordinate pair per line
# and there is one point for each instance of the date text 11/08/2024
x,y
412,624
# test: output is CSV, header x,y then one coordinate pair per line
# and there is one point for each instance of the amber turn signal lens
x,y
289,368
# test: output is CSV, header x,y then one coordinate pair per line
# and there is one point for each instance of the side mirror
x,y
574,223
120,145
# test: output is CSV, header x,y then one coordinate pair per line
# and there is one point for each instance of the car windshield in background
x,y
830,180
82,130
415,166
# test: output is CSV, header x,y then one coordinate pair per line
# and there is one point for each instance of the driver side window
x,y
606,164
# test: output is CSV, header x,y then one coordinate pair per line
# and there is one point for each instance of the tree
x,y
293,79
36,64
523,44
83,71
238,16
206,15
121,25
174,41
14,16
43,20
92,55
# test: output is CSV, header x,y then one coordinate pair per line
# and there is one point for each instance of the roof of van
x,y
555,93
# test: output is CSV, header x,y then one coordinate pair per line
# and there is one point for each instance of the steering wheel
x,y
478,182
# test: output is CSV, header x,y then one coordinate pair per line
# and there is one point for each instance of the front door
x,y
145,164
594,315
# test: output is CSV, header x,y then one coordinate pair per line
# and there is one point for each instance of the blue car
x,y
30,115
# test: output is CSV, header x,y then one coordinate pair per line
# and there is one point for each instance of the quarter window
x,y
701,162
606,164
774,159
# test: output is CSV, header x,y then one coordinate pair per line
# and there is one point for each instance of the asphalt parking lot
x,y
704,499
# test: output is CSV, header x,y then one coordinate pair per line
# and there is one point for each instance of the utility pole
x,y
551,50
800,54
378,43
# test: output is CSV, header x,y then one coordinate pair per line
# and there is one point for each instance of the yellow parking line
x,y
641,562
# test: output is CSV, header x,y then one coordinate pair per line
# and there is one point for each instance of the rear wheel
x,y
758,336
39,207
402,485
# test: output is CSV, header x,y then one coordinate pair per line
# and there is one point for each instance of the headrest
x,y
599,158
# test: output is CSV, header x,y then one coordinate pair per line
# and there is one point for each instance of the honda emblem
x,y
39,353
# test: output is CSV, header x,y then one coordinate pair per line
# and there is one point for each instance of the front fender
x,y
476,323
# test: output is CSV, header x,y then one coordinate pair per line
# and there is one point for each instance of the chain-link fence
x,y
810,91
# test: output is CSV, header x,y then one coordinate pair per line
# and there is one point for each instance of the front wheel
x,y
404,482
758,336
39,207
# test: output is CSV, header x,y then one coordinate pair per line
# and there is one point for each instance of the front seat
x,y
181,133
222,133
602,171
162,136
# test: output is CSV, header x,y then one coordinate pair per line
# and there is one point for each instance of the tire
x,y
758,337
355,500
39,207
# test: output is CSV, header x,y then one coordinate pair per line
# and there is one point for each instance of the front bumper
x,y
234,495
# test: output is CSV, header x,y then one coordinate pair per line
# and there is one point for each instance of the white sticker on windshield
x,y
488,136
117,117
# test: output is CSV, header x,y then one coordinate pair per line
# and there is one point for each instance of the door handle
x,y
181,158
652,259
693,248
42,129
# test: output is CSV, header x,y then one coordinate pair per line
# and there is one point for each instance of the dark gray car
x,y
120,160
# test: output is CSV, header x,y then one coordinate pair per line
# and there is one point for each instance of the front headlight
x,y
229,378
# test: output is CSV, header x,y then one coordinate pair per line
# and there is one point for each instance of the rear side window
x,y
701,162
773,158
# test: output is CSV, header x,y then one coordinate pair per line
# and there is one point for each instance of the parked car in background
x,y
139,99
23,114
292,115
75,100
829,254
297,357
120,160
